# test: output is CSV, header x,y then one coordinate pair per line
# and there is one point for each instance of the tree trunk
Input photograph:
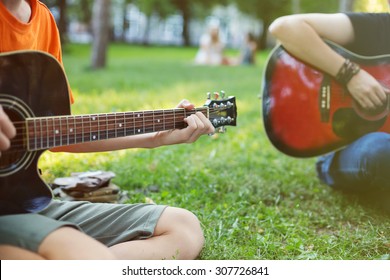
x,y
186,22
62,21
296,6
100,28
145,40
345,6
264,35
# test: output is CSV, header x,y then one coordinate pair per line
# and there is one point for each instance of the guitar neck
x,y
49,132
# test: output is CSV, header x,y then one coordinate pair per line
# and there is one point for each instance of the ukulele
x,y
38,105
306,113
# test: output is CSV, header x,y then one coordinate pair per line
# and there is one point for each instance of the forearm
x,y
136,141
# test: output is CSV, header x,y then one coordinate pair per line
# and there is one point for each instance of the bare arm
x,y
198,125
302,36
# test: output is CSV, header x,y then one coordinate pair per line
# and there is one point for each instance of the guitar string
x,y
111,131
127,114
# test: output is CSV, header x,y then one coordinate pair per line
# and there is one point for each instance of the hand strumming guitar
x,y
367,91
7,130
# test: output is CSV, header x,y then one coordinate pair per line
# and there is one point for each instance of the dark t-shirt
x,y
372,33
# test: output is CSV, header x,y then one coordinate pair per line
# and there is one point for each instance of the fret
x,y
154,127
158,125
60,131
115,130
35,135
82,129
148,122
124,124
112,126
129,121
98,127
67,130
164,119
143,121
79,130
74,130
174,119
93,135
101,127
134,128
49,128
40,134
52,131
47,138
120,125
71,130
106,126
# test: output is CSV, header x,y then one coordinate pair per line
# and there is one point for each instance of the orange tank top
x,y
40,33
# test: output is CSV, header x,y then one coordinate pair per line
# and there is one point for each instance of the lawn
x,y
253,202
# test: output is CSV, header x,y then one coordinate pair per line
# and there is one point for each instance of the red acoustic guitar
x,y
306,113
34,94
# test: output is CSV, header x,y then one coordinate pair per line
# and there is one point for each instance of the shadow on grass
x,y
377,201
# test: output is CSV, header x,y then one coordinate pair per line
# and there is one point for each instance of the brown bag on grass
x,y
94,186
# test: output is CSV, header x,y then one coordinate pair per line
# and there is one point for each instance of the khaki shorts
x,y
108,223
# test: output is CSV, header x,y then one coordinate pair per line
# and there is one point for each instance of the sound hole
x,y
373,114
11,159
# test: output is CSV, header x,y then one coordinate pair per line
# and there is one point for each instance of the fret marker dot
x,y
139,130
94,137
57,131
158,120
120,125
71,130
138,115
93,118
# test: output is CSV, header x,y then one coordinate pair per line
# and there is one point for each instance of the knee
x,y
375,146
186,231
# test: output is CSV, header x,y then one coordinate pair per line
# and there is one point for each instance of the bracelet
x,y
346,72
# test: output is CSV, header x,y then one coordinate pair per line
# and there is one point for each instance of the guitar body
x,y
306,113
32,84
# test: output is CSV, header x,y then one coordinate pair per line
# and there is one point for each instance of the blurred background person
x,y
211,48
247,51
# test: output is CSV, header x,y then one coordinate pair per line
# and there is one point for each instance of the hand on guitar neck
x,y
7,130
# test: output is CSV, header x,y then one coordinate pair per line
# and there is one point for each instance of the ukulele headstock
x,y
222,111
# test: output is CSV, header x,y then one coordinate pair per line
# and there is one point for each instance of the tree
x,y
62,18
161,8
266,11
187,8
345,6
100,29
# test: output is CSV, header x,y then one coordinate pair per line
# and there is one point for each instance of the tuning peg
x,y
221,129
222,94
209,95
216,95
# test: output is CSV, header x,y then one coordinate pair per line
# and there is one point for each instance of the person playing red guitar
x,y
365,163
92,231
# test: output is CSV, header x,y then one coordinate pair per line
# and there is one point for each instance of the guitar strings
x,y
111,129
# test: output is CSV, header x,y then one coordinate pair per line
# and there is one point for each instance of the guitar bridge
x,y
324,99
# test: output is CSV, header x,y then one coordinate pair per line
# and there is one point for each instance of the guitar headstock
x,y
222,111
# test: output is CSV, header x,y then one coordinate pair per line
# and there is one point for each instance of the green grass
x,y
253,202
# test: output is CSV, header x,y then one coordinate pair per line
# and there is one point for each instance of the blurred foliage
x,y
371,6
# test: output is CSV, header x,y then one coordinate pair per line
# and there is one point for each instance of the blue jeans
x,y
363,165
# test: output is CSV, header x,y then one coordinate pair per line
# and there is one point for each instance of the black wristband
x,y
346,72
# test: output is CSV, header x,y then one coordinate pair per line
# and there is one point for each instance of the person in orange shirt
x,y
83,230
